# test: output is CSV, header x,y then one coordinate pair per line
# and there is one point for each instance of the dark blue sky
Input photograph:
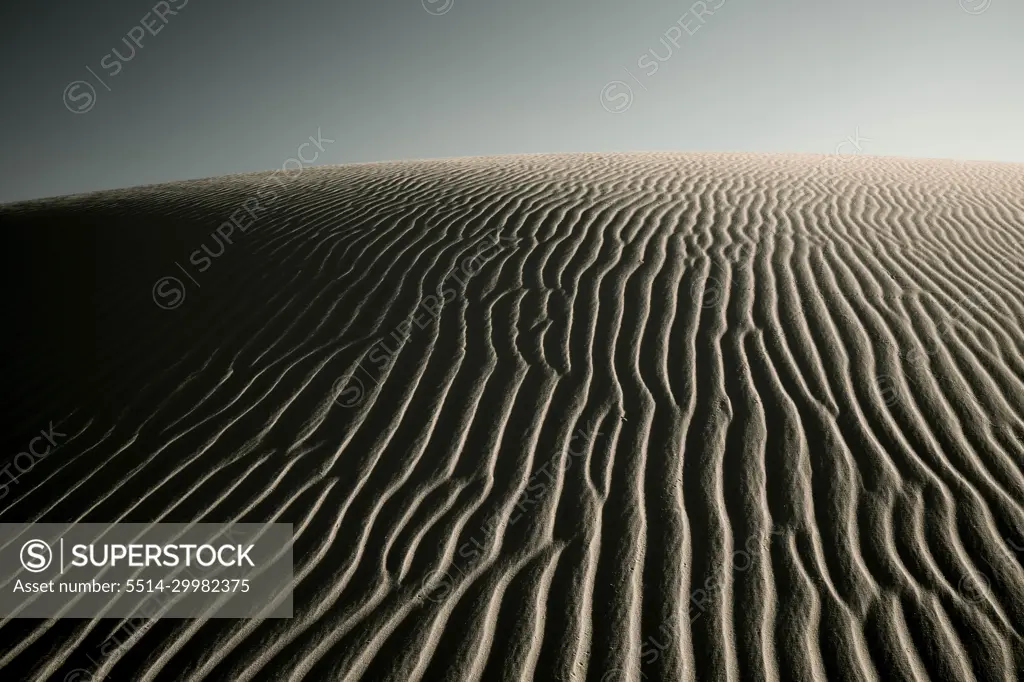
x,y
226,86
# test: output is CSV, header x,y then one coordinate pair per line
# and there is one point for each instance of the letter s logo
x,y
77,91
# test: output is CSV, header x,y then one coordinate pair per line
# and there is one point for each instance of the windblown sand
x,y
580,417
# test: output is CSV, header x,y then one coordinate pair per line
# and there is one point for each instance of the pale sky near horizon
x,y
238,85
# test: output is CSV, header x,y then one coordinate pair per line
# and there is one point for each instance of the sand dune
x,y
580,417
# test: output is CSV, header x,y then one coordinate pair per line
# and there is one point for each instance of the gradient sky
x,y
237,85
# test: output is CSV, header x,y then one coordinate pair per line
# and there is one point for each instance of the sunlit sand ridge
x,y
580,417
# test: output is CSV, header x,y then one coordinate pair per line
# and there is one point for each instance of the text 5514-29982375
x,y
193,585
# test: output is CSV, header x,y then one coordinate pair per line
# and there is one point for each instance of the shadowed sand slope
x,y
582,417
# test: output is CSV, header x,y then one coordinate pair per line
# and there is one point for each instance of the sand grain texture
x,y
685,417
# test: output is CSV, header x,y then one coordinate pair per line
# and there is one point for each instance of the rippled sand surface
x,y
574,417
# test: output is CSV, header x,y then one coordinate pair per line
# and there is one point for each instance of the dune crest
x,y
557,417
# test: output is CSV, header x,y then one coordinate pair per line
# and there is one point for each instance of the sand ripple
x,y
587,417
